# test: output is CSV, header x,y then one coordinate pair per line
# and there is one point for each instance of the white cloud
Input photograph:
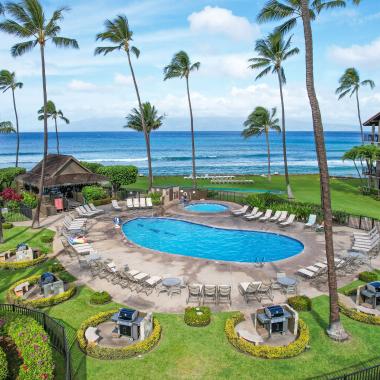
x,y
217,20
122,79
79,85
367,55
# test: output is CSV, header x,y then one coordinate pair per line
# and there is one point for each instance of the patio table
x,y
287,281
171,282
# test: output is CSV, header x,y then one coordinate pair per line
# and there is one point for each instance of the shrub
x,y
29,199
7,175
47,239
7,226
33,346
368,276
359,316
22,264
9,195
156,198
300,303
264,351
3,365
92,193
119,175
92,166
100,352
100,202
192,318
55,267
100,298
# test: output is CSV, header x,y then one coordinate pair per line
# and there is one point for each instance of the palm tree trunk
x,y
335,329
1,226
17,128
287,181
56,134
150,172
268,154
192,134
359,116
36,219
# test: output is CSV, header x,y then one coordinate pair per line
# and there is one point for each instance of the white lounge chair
x,y
142,203
256,216
253,212
89,211
311,221
283,216
83,212
275,217
370,233
266,217
149,203
136,203
115,205
289,221
241,211
95,209
129,203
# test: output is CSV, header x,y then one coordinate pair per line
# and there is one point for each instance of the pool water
x,y
206,207
244,190
196,240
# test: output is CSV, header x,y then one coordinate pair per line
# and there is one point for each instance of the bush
x,y
119,175
92,166
47,239
33,346
264,351
29,199
7,175
156,198
192,318
100,298
40,302
101,352
359,316
100,202
10,195
92,193
3,365
22,264
7,226
300,303
55,267
368,276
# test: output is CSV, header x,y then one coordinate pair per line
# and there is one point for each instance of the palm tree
x,y
350,83
262,121
8,82
6,127
120,35
28,22
150,115
353,155
273,51
291,11
181,67
54,114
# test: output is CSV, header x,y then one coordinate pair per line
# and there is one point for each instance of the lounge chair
x,y
88,209
249,290
224,294
311,221
95,209
150,284
241,211
136,203
310,274
275,284
195,293
275,217
289,221
256,216
115,205
252,213
264,292
149,203
142,202
266,217
209,294
82,212
129,203
283,216
370,233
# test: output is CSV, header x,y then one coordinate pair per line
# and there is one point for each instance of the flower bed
x,y
359,316
96,351
33,346
264,351
197,316
40,302
3,365
22,264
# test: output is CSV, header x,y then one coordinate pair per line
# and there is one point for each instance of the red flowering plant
x,y
11,198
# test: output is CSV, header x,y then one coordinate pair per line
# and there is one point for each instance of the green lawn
x,y
345,193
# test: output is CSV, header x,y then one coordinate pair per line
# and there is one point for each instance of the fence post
x,y
360,222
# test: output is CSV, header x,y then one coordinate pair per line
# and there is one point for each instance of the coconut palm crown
x,y
6,127
152,120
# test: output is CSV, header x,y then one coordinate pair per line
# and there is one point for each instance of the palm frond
x,y
52,29
6,127
195,66
342,93
275,10
106,49
263,73
23,47
287,26
290,53
135,51
15,29
368,82
65,42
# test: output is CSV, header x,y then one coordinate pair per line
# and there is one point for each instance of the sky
x,y
96,92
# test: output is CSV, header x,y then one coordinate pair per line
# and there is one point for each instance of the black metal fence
x,y
65,345
26,211
370,373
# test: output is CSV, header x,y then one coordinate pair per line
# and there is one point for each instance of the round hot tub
x,y
206,207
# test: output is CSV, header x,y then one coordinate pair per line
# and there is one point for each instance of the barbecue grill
x,y
275,319
46,278
128,323
372,292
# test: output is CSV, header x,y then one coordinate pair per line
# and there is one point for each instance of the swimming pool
x,y
190,239
206,207
244,190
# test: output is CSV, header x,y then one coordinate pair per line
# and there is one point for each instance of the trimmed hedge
x,y
41,302
33,346
100,298
7,226
100,202
22,264
359,316
99,352
368,276
3,365
300,303
119,175
191,317
93,193
47,239
264,351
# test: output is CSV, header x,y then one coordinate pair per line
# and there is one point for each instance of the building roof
x,y
373,121
60,170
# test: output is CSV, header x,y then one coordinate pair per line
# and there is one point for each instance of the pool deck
x,y
111,244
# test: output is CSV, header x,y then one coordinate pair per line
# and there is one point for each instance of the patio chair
x,y
290,289
149,203
160,288
264,292
175,290
115,205
266,217
136,203
256,216
373,232
275,284
224,294
129,203
249,290
95,209
142,203
282,217
311,222
194,293
252,213
88,210
288,222
240,211
275,217
209,294
150,284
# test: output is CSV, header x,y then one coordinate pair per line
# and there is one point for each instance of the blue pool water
x,y
242,190
191,239
206,207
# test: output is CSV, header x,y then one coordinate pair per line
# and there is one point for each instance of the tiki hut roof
x,y
60,170
373,121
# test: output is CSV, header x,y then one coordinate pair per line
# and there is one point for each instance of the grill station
x,y
274,319
371,292
50,285
128,323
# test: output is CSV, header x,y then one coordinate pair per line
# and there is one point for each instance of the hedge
x,y
33,346
7,225
3,365
92,166
368,276
100,298
300,303
359,316
40,302
93,193
119,175
99,352
22,264
100,202
264,351
191,317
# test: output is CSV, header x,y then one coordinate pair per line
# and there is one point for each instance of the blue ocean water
x,y
196,240
217,152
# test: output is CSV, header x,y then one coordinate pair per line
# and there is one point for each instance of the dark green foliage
x,y
368,276
3,365
100,298
92,193
156,198
119,175
197,316
7,176
7,226
300,303
104,201
29,199
47,239
92,166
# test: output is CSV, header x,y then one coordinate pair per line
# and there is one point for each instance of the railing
x,y
26,211
370,373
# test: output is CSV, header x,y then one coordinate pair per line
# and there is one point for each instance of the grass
x,y
349,288
17,235
14,216
345,193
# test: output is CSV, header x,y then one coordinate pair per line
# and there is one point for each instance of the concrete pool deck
x,y
111,244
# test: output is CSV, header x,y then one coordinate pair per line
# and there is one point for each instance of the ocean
x,y
216,152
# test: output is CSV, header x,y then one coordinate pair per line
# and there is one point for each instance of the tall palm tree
x,y
8,82
28,22
181,67
54,114
290,11
152,120
350,83
118,33
273,51
262,121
